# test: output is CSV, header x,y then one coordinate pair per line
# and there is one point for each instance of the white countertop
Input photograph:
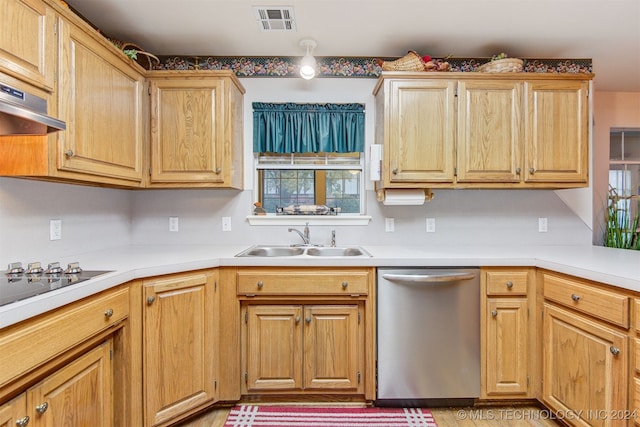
x,y
615,267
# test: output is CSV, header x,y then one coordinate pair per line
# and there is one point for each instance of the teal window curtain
x,y
308,128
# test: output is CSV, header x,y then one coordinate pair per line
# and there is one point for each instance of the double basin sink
x,y
315,251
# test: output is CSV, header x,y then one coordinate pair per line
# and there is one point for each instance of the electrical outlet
x,y
226,223
431,225
542,225
173,224
55,229
389,225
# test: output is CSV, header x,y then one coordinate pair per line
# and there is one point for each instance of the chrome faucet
x,y
304,235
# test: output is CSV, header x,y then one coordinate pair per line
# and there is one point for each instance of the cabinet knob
x,y
509,284
260,284
614,350
518,170
345,284
108,313
22,422
297,319
150,300
218,170
532,171
494,313
575,297
42,408
308,319
68,154
395,171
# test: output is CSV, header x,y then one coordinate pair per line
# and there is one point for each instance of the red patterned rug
x,y
305,416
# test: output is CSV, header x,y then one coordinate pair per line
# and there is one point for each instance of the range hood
x,y
22,113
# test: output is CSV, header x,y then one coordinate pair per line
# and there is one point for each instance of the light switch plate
x,y
226,223
431,225
389,225
173,224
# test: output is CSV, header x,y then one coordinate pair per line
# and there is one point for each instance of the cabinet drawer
x,y
507,282
29,344
312,282
606,305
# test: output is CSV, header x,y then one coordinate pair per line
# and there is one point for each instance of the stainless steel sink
x,y
315,251
337,251
272,251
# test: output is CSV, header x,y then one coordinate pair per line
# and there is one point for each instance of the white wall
x,y
92,219
462,216
96,218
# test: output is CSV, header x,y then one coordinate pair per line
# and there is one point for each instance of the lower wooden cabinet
x,y
507,331
296,348
307,331
77,395
178,344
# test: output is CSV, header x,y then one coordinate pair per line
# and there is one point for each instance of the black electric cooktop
x,y
17,283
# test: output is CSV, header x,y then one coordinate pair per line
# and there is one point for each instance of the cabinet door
x,y
557,131
14,412
506,349
27,41
490,131
100,98
585,367
332,347
179,345
187,134
77,395
274,347
419,132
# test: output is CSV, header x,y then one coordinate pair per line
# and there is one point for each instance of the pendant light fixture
x,y
308,64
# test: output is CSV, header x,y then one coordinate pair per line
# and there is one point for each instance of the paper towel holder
x,y
381,196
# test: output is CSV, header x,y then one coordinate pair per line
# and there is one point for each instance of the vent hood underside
x,y
22,113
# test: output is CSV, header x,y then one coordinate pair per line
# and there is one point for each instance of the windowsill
x,y
272,219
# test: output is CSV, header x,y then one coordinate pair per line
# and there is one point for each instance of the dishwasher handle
x,y
428,278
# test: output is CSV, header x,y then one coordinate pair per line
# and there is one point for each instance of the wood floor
x,y
511,416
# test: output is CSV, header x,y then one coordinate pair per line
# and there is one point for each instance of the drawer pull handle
x,y
509,284
108,313
218,170
68,154
494,313
150,300
614,350
532,171
395,171
260,284
517,171
345,284
297,319
308,319
42,408
575,297
22,422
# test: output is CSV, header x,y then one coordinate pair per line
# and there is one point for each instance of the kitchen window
x,y
309,158
624,168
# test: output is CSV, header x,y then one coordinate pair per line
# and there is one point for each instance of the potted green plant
x,y
622,228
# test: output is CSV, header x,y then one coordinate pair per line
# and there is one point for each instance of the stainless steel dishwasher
x,y
428,345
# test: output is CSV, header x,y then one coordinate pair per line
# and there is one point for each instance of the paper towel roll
x,y
404,197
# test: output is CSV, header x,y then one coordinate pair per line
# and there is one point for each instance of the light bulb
x,y
308,67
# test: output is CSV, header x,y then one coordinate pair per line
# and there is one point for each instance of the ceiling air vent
x,y
275,18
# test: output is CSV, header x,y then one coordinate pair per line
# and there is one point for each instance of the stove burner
x,y
17,283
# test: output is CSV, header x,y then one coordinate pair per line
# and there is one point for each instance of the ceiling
x,y
607,31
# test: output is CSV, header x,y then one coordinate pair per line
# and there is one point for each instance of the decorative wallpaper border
x,y
333,66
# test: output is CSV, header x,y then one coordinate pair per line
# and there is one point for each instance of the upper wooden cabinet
x,y
478,130
100,98
418,130
196,129
27,41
